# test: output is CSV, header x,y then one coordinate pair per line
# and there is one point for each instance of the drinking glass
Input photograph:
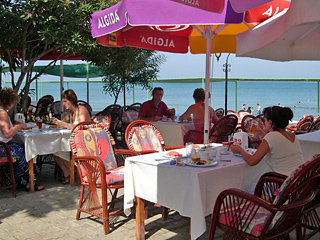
x,y
189,147
39,123
253,127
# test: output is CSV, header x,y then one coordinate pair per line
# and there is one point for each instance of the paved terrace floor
x,y
50,214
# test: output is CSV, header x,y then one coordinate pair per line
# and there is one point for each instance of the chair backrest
x,y
92,139
219,112
129,114
315,124
297,186
136,106
296,178
142,135
247,120
292,204
223,128
87,105
304,122
57,109
193,136
43,106
115,112
104,118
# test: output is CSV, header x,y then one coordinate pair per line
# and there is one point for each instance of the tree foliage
x,y
32,29
129,67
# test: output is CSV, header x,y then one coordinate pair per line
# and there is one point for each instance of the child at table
x,y
8,98
76,114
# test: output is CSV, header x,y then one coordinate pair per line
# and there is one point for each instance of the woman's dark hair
x,y
71,96
8,96
280,116
199,94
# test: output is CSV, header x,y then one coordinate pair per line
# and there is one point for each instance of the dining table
x,y
173,131
191,190
41,142
310,144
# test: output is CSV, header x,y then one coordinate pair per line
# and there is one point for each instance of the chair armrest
x,y
233,205
146,152
168,148
90,168
125,153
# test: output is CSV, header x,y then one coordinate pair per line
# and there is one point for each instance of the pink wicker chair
x,y
143,137
92,148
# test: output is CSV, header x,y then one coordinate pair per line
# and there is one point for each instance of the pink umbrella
x,y
218,5
169,26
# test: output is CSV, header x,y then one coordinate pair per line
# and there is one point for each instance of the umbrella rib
x,y
201,31
305,34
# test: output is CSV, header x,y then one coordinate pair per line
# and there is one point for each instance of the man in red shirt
x,y
155,109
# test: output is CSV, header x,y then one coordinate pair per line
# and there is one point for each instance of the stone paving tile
x,y
50,214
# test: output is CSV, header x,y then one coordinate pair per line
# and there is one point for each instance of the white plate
x,y
190,163
172,157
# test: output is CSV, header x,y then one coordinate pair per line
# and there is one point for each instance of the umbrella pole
x,y
208,36
61,78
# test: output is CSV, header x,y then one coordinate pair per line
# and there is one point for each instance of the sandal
x,y
66,180
36,187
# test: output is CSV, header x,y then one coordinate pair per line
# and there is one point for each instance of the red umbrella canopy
x,y
265,11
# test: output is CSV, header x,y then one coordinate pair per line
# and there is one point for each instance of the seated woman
x,y
76,114
197,110
8,98
279,148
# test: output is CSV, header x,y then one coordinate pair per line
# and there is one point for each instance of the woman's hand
x,y
21,126
57,122
235,149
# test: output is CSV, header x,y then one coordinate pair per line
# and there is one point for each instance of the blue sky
x,y
193,66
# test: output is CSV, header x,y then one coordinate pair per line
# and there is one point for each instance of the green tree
x,y
32,29
128,67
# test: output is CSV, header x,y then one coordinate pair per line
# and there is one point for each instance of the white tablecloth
x,y
43,142
192,191
173,132
310,144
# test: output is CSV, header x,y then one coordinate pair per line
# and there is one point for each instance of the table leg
x,y
140,232
31,175
71,170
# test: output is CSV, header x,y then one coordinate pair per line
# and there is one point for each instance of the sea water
x,y
301,97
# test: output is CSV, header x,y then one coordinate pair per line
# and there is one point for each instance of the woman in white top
x,y
279,148
76,114
8,98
